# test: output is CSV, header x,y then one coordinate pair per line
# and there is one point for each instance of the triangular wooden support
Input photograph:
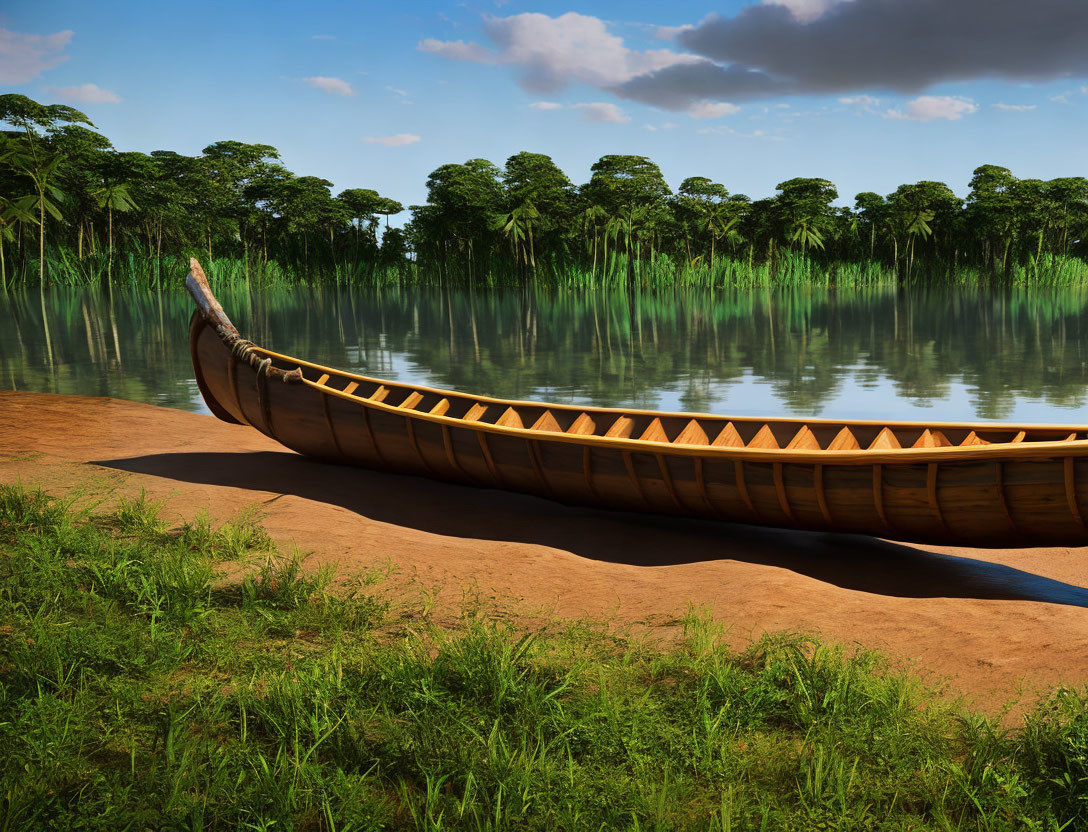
x,y
411,400
475,413
803,440
885,440
547,422
583,426
440,408
380,394
655,432
844,441
621,428
510,419
692,434
973,439
728,438
764,440
931,439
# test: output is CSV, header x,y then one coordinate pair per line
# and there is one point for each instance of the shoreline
x,y
998,624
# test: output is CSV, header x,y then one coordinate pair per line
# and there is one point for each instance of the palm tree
x,y
41,167
113,196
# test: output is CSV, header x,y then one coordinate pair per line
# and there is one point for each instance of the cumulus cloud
x,y
23,57
600,112
456,50
333,86
546,105
1014,108
712,109
553,52
930,107
86,94
397,140
846,47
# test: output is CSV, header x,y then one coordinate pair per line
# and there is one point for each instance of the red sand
x,y
993,621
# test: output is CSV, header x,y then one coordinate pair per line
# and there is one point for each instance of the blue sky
x,y
429,83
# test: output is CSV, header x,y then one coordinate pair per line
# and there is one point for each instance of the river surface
x,y
959,353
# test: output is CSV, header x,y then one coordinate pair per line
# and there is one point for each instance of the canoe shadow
x,y
853,562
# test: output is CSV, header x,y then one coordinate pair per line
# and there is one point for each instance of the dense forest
x,y
72,207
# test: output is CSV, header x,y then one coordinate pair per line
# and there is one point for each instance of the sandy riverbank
x,y
993,621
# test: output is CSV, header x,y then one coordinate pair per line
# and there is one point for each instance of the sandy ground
x,y
997,624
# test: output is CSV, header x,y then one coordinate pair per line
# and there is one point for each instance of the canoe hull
x,y
995,502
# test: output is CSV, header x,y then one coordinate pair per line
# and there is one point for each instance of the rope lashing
x,y
246,352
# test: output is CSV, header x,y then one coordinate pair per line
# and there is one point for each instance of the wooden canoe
x,y
990,485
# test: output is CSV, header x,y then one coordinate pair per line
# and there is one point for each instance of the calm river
x,y
940,354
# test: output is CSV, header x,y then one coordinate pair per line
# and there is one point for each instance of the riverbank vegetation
x,y
195,678
72,208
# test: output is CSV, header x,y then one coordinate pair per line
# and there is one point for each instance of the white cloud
x,y
333,86
805,10
866,103
396,91
670,32
456,50
397,140
546,105
86,94
930,107
712,109
553,52
1015,108
24,57
600,112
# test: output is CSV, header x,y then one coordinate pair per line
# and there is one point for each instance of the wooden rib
x,y
630,466
878,493
323,380
411,400
583,426
588,471
1071,490
973,439
263,403
621,428
510,419
999,481
547,422
475,413
844,441
380,394
764,439
700,480
742,486
780,487
931,439
655,432
329,422
451,455
884,440
415,443
440,408
803,440
692,434
232,380
373,441
481,437
1070,437
821,497
667,478
538,464
728,438
351,388
931,492
1019,437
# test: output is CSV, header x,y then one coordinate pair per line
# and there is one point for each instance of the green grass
x,y
142,689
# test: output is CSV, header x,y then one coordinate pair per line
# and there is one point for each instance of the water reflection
x,y
953,353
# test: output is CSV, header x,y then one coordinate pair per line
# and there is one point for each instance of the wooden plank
x,y
655,432
630,466
1071,490
451,454
764,439
440,408
583,426
547,422
410,401
885,440
323,380
742,486
692,434
1020,436
329,422
415,443
538,465
780,488
232,382
700,480
481,437
803,440
844,441
373,441
931,439
878,493
621,428
972,439
667,479
380,394
510,419
728,438
588,471
999,482
351,388
821,497
931,492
